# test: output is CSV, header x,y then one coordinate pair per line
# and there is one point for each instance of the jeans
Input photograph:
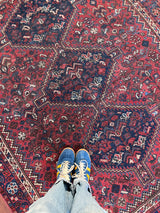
x,y
61,198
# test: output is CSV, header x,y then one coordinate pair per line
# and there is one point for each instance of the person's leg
x,y
83,201
59,198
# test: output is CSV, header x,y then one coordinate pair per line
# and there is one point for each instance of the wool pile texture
x,y
84,74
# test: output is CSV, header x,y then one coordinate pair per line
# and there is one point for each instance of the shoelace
x,y
65,171
81,172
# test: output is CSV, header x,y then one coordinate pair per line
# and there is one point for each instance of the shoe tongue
x,y
66,160
84,162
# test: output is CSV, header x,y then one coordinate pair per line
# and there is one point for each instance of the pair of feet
x,y
71,165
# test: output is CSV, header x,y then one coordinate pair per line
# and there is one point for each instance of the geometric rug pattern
x,y
84,74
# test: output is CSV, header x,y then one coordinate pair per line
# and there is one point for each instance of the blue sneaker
x,y
65,165
82,165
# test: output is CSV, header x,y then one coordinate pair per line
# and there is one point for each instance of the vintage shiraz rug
x,y
81,74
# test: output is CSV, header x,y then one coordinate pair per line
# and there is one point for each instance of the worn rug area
x,y
81,74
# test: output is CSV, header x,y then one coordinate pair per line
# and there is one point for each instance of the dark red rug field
x,y
81,74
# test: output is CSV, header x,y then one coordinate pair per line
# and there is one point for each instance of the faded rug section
x,y
81,74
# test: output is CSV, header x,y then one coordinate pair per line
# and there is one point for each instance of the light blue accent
x,y
59,200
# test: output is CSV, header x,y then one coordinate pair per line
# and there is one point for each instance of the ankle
x,y
82,183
